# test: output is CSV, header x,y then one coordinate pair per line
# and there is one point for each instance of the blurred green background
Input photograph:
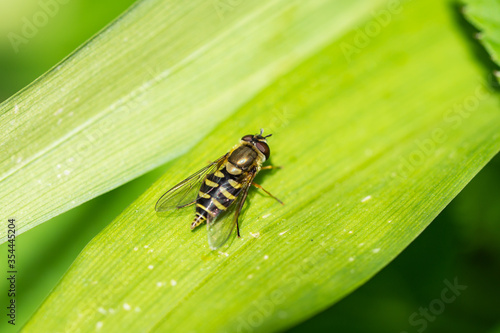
x,y
462,243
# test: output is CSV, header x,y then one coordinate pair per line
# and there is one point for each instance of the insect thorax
x,y
243,157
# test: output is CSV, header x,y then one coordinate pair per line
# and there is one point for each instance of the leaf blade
x,y
109,112
337,181
484,15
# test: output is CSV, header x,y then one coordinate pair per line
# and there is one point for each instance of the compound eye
x,y
263,148
247,138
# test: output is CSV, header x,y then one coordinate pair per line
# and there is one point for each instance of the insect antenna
x,y
262,132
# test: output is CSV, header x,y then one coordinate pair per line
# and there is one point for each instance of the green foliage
x,y
485,15
110,112
375,139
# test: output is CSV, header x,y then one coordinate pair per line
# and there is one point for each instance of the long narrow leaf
x,y
374,144
144,91
485,15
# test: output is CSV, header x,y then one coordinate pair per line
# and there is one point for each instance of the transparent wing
x,y
219,229
185,193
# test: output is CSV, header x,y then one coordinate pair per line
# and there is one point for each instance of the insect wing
x,y
219,229
186,191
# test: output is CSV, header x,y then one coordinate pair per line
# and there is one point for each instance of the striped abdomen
x,y
217,193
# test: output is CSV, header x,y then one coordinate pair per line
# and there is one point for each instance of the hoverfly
x,y
220,189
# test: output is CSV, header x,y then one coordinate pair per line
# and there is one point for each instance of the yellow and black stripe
x,y
217,193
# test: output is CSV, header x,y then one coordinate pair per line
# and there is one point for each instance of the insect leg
x,y
268,167
263,189
238,209
242,199
188,204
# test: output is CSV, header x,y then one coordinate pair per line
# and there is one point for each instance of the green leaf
x,y
374,144
485,15
111,111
